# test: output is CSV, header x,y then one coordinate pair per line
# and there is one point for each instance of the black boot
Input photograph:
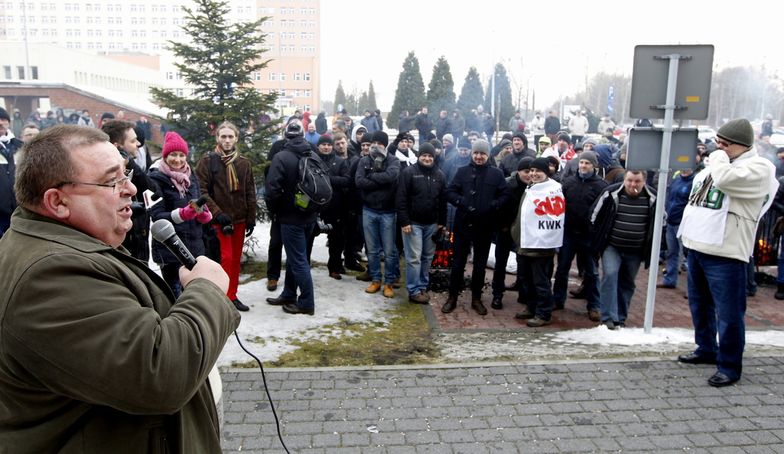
x,y
779,292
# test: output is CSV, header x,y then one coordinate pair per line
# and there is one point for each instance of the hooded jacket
x,y
281,183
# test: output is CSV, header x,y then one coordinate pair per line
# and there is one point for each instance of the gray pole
x,y
664,163
27,52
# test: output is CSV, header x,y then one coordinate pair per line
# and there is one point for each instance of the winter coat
x,y
421,196
95,357
677,198
281,184
370,124
509,162
552,125
478,193
137,240
7,178
340,181
378,186
443,126
602,217
423,124
240,205
321,123
452,163
509,210
579,195
189,232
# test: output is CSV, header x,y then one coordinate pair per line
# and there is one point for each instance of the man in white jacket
x,y
719,224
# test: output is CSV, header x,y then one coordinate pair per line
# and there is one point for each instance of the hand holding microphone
x,y
163,232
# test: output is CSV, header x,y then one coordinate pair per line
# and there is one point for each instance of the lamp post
x,y
24,37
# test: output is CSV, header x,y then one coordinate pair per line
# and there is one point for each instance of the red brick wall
x,y
68,99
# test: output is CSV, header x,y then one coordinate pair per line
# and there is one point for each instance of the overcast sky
x,y
546,47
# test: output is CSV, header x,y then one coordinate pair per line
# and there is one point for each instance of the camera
x,y
323,226
227,229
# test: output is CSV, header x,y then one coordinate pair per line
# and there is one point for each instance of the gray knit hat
x,y
737,131
481,146
590,156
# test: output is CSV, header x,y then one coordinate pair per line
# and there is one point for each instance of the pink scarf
x,y
180,178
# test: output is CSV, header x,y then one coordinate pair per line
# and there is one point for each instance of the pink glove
x,y
205,216
183,214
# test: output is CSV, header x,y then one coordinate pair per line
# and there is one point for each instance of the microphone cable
x,y
266,389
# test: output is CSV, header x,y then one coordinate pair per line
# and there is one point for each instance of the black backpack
x,y
314,191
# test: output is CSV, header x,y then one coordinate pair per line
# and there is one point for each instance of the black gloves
x,y
249,230
223,219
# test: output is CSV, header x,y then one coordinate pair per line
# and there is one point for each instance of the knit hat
x,y
367,138
545,139
380,137
324,139
504,143
294,129
737,131
542,164
107,116
525,163
448,138
464,143
426,148
480,146
436,144
591,157
565,137
173,142
4,115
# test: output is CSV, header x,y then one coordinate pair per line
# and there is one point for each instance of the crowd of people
x,y
77,202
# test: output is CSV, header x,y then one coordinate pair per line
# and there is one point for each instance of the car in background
x,y
777,138
705,133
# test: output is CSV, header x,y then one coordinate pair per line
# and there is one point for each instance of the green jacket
x,y
95,357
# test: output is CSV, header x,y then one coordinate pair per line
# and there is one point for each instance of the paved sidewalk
x,y
642,405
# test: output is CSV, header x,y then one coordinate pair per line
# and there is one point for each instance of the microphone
x,y
198,204
163,232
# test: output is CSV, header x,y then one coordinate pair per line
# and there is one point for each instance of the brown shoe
x,y
335,275
396,284
594,315
388,291
450,305
524,315
272,285
476,304
365,277
419,298
537,322
374,287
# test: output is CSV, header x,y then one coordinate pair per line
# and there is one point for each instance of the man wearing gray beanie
x,y
718,227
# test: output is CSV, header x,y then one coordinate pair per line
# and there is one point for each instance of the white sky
x,y
544,47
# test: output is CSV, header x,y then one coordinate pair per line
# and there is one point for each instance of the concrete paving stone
x,y
437,401
420,437
287,405
345,426
679,414
240,429
534,409
452,436
733,438
516,434
759,450
503,448
387,439
701,439
473,423
670,441
323,404
539,446
737,424
623,416
355,439
506,410
763,437
553,432
552,419
412,425
595,406
589,419
304,428
326,440
636,444
434,449
469,448
458,411
440,424
575,445
767,423
259,443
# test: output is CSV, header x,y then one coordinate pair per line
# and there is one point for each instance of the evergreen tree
x,y
410,93
441,90
504,109
217,61
372,97
363,103
472,94
351,104
340,97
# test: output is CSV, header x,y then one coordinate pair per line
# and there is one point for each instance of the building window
x,y
272,77
306,76
297,76
307,93
7,71
20,71
282,76
34,72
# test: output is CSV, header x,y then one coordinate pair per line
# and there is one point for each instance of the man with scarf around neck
x,y
580,192
377,179
123,136
719,224
478,191
538,232
179,187
297,225
421,212
231,193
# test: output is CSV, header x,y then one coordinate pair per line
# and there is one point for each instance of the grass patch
x,y
253,271
404,339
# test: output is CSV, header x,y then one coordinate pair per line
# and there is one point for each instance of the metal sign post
x,y
689,102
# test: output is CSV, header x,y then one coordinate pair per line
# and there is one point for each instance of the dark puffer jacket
x,y
421,196
579,195
281,184
190,232
378,186
479,193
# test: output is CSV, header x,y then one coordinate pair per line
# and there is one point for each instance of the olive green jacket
x,y
95,357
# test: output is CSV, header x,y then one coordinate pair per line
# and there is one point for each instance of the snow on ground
x,y
346,299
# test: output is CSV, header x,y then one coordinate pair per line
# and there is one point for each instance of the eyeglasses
x,y
723,143
112,184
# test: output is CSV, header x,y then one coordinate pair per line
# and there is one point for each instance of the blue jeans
x,y
295,242
674,256
419,249
380,234
579,245
619,269
717,300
